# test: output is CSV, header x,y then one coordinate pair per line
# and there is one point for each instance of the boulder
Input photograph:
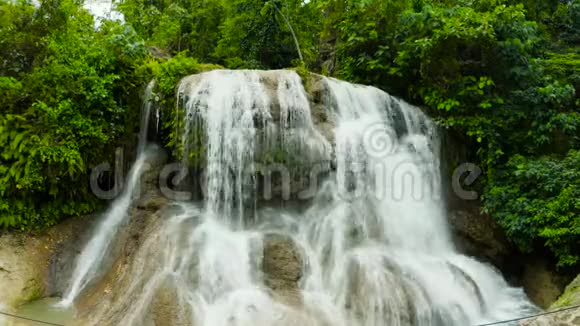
x,y
571,296
282,266
542,282
30,263
477,234
567,317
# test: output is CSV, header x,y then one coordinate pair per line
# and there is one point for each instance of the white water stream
x,y
374,241
91,257
385,253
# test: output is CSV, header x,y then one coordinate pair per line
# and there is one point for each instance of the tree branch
x,y
291,31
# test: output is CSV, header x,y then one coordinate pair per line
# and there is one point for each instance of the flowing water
x,y
376,238
148,105
374,241
88,263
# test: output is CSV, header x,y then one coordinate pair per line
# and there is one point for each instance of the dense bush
x,y
67,92
538,199
237,34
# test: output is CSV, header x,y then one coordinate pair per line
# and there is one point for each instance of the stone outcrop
x,y
476,234
33,266
282,266
137,256
570,298
542,283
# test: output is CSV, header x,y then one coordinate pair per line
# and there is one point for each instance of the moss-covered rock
x,y
542,282
570,298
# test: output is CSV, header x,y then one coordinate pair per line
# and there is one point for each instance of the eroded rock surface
x,y
570,298
542,283
282,267
34,265
139,256
478,235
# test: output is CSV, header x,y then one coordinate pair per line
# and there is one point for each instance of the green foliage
x,y
565,23
237,34
539,200
68,90
256,34
167,74
304,74
178,26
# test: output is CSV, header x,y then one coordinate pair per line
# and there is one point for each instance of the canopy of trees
x,y
502,74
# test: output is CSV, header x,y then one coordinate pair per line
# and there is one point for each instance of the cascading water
x,y
146,117
227,118
378,240
208,259
374,241
89,261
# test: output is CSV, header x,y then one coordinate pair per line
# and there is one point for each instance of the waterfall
x,y
88,263
146,117
231,109
374,241
381,246
225,105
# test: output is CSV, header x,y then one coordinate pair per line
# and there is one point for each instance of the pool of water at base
x,y
46,310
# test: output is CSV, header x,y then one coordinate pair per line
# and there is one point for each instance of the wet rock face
x,y
138,252
33,266
478,235
570,297
293,134
76,233
164,311
282,267
319,98
542,282
474,233
104,300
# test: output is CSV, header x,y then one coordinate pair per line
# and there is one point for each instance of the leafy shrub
x,y
538,200
69,91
